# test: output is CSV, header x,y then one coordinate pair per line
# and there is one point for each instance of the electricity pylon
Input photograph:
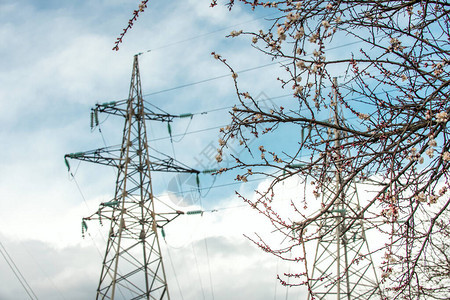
x,y
132,266
343,266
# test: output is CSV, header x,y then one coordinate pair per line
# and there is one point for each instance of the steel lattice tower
x,y
132,266
343,266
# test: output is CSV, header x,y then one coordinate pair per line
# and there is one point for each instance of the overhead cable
x,y
205,34
17,272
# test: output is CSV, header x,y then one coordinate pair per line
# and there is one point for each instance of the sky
x,y
56,63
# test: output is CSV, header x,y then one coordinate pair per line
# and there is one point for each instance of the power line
x,y
239,72
211,79
207,258
206,34
174,272
198,271
218,186
43,272
209,268
17,272
229,107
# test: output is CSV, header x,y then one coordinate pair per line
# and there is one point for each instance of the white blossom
x,y
438,70
293,17
442,117
280,30
421,197
386,274
235,33
300,64
395,45
299,89
446,156
325,24
363,116
313,38
300,33
433,199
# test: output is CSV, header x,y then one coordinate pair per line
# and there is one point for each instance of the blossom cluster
x,y
431,143
396,45
235,33
442,117
431,198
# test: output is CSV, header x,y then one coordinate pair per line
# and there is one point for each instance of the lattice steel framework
x,y
343,267
132,266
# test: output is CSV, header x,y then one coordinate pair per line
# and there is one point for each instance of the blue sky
x,y
56,63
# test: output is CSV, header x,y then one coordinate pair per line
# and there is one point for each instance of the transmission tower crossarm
x,y
97,156
169,164
110,156
119,108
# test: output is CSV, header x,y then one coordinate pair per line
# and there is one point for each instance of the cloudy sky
x,y
56,63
